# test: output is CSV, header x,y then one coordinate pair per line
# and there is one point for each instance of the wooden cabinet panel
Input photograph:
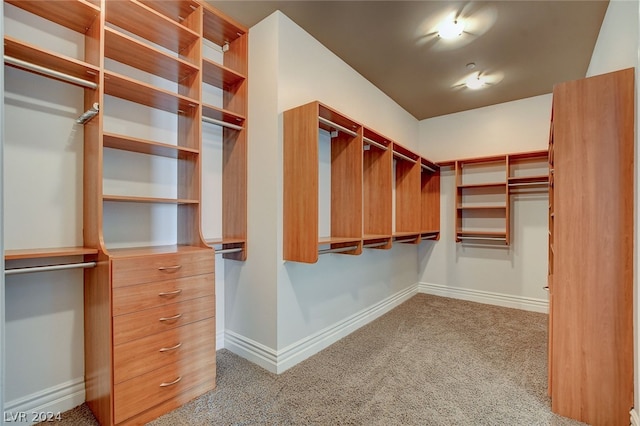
x,y
177,345
144,323
136,270
592,287
145,296
144,392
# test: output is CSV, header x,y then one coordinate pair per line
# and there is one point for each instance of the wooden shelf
x,y
179,11
541,179
219,76
126,143
483,185
483,207
127,50
154,250
48,252
156,200
216,113
78,15
126,88
51,60
370,237
337,240
220,29
219,241
151,25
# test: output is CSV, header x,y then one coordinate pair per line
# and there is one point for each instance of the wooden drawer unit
x,y
179,344
149,295
148,390
143,269
140,324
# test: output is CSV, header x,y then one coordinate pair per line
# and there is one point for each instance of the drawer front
x,y
140,356
143,269
141,324
143,392
150,295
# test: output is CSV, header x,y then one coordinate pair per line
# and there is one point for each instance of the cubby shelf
x,y
142,146
219,76
154,200
39,253
76,15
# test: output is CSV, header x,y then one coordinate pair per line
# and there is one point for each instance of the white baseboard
x,y
280,361
635,417
220,340
487,297
51,401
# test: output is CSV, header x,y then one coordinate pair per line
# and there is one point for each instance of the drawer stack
x,y
163,331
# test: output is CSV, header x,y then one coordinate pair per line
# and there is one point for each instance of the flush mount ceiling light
x,y
475,81
450,28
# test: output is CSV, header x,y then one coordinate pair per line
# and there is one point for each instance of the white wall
x,y
618,47
511,275
315,304
2,298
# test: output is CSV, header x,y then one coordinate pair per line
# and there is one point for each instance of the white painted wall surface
x,y
618,47
509,276
2,297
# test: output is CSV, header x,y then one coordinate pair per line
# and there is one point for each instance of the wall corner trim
x,y
635,417
487,297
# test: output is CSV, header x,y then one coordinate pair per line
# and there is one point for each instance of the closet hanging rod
x,y
404,157
221,123
373,245
337,250
26,270
429,236
337,126
406,240
374,143
229,250
460,237
89,114
424,166
543,183
49,72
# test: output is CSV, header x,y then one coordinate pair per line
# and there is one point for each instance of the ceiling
x,y
523,47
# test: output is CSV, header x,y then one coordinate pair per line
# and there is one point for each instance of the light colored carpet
x,y
430,361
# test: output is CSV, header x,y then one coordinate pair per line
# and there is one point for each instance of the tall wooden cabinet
x,y
591,249
149,290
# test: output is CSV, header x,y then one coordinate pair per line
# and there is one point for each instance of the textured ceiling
x,y
525,46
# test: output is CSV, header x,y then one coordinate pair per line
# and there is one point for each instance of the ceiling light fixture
x,y
450,28
475,81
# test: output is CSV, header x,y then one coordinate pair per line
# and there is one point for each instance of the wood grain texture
x,y
408,195
77,15
592,311
377,194
346,186
430,205
300,186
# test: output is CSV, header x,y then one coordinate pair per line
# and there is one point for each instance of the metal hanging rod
x,y
337,250
83,265
404,157
374,143
483,238
543,183
89,114
337,126
429,236
221,123
49,72
406,240
373,245
424,166
229,250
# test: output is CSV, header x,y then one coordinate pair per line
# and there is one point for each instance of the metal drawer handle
x,y
171,348
170,293
175,317
165,384
546,287
169,268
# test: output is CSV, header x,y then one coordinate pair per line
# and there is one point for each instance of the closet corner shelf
x,y
143,146
20,254
218,75
42,58
75,15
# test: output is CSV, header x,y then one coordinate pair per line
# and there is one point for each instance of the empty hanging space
x,y
377,194
408,199
430,197
322,161
529,170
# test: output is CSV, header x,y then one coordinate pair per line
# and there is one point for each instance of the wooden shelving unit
x,y
591,157
362,180
149,54
484,187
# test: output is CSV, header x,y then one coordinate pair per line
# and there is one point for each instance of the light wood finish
x,y
136,199
219,76
144,392
174,346
430,199
408,193
301,168
377,194
144,296
76,15
592,285
48,252
143,146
